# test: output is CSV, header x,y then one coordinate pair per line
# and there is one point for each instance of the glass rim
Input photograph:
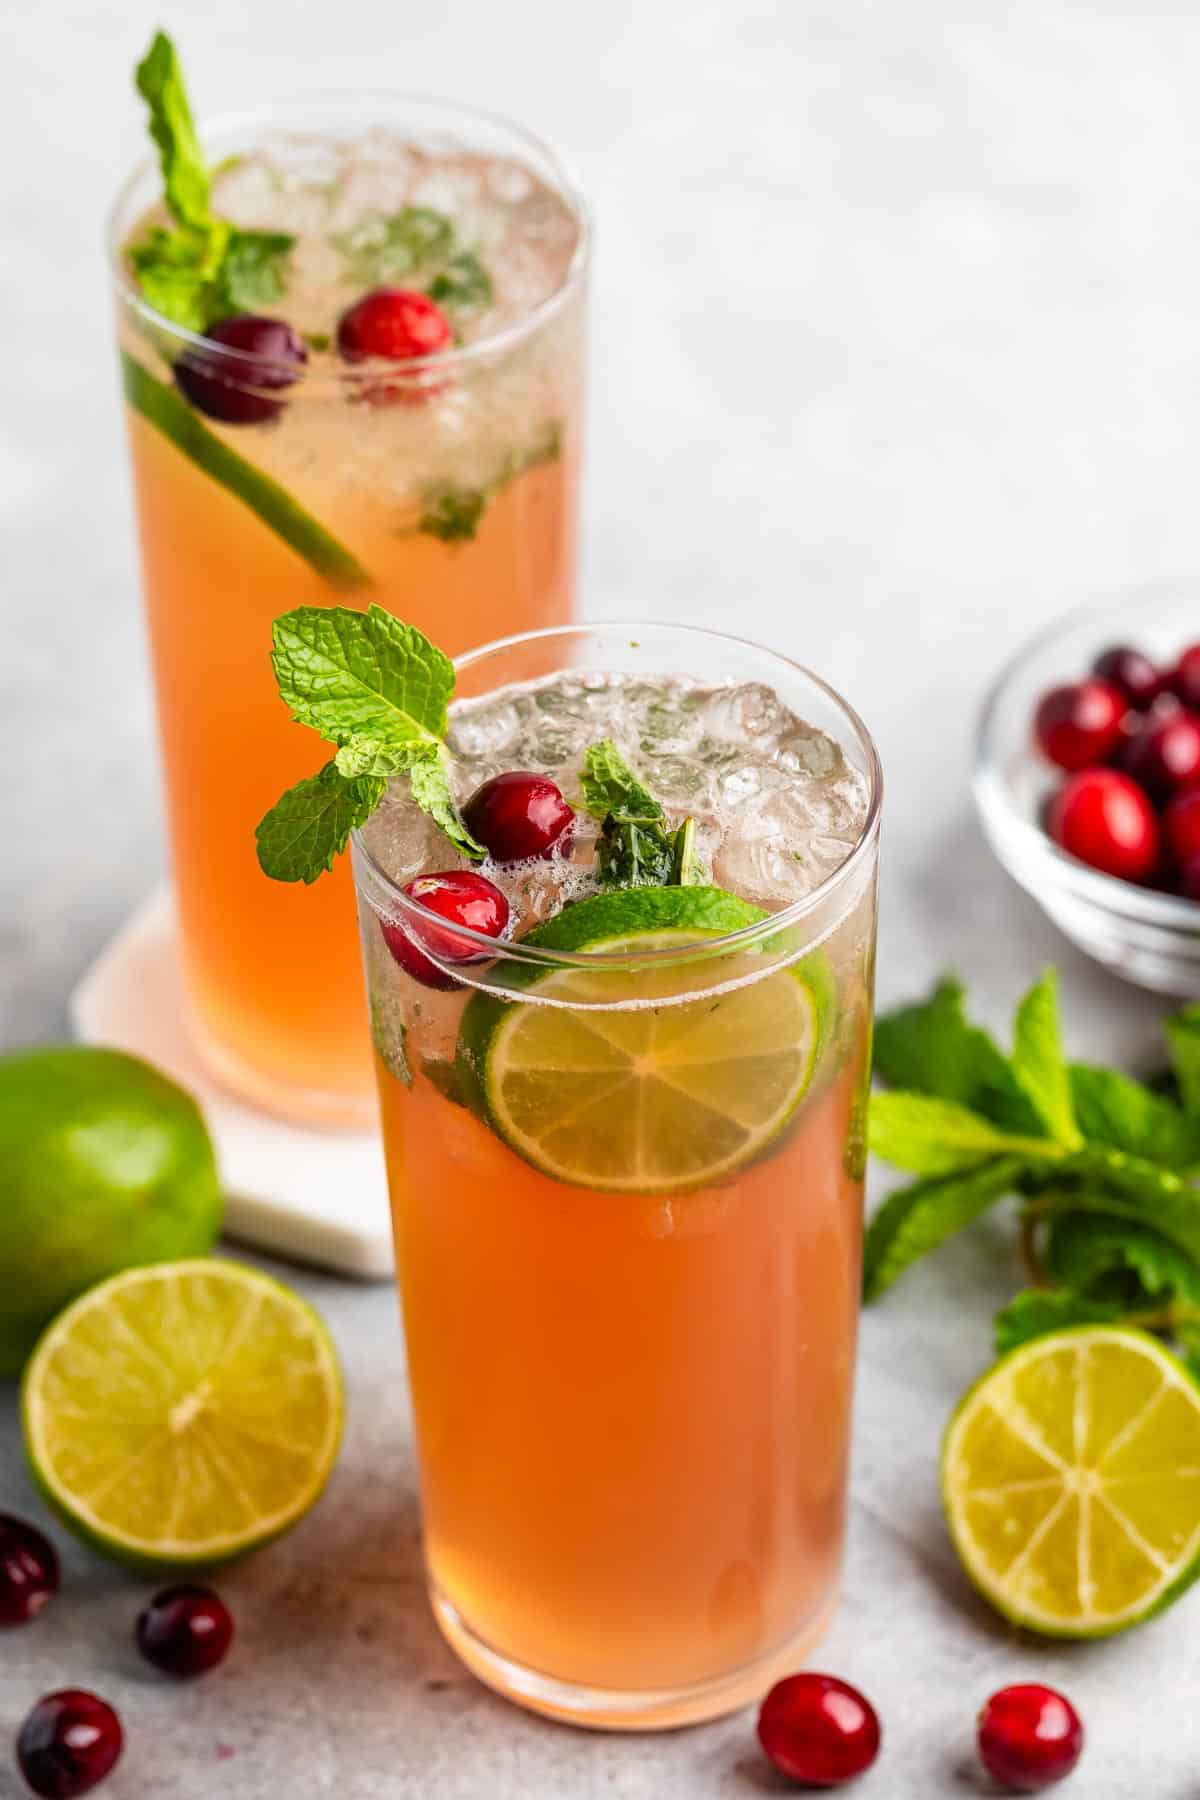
x,y
487,348
749,936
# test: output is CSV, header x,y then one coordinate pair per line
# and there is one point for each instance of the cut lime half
x,y
183,1414
625,1084
1071,1481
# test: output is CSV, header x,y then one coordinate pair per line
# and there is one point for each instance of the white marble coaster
x,y
320,1196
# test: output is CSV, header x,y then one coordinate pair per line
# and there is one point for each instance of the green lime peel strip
x,y
168,413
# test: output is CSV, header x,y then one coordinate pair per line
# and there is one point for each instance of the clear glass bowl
x,y
1151,939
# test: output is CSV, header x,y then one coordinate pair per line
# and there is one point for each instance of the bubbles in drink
x,y
777,806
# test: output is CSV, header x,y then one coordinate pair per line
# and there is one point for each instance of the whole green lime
x,y
104,1164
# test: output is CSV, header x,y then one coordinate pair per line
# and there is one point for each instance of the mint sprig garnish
x,y
379,691
454,514
203,268
1105,1168
636,848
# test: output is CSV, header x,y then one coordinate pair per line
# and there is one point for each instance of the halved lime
x,y
183,1414
616,1081
1071,1481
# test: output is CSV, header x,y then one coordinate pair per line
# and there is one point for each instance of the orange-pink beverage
x,y
446,492
626,1160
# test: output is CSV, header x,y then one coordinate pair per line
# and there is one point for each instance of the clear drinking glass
x,y
631,1371
444,488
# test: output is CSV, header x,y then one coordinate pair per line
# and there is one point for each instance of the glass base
x,y
303,1106
640,1709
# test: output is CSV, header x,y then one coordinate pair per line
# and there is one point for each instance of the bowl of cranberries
x,y
1088,784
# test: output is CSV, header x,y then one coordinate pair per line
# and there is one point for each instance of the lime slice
x,y
184,1413
659,1096
1071,1481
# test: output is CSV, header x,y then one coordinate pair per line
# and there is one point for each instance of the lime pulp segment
x,y
183,1413
1071,1481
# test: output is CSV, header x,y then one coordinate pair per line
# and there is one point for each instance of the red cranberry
x,y
1181,824
460,896
1105,820
399,324
1131,672
1079,724
227,387
818,1730
519,815
69,1742
1029,1737
1164,753
185,1631
28,1571
1185,677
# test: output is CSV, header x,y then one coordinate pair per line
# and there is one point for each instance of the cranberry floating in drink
x,y
462,897
519,815
240,388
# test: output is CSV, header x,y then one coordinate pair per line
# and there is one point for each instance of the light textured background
x,y
895,356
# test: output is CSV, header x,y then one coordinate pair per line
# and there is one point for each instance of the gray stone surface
x,y
895,357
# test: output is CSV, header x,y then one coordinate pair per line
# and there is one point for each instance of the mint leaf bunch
x,y
379,691
1104,1166
453,514
203,268
635,848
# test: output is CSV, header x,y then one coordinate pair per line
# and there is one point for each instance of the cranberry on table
x,y
1104,819
462,897
1185,677
1080,723
1131,672
397,325
518,815
1029,1737
185,1631
29,1572
68,1744
1164,753
230,388
818,1730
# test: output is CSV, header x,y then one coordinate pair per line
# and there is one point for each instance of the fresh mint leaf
x,y
1112,1183
1113,1258
1035,1311
170,414
464,285
367,675
928,1136
385,248
308,827
930,1048
1039,1064
453,514
610,785
687,870
917,1219
206,268
178,273
1113,1109
1183,1035
430,784
185,173
254,270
